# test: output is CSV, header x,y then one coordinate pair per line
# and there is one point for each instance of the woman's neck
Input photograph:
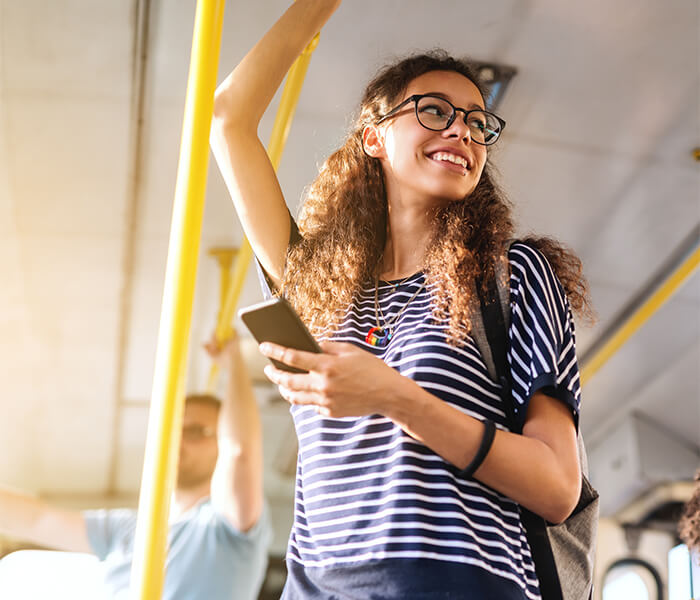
x,y
408,234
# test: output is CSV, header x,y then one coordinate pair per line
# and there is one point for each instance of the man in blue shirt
x,y
219,531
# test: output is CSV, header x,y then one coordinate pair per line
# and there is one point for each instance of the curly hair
x,y
689,524
343,223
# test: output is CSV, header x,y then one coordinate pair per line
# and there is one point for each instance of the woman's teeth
x,y
457,160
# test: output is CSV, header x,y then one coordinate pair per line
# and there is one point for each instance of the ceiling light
x,y
496,78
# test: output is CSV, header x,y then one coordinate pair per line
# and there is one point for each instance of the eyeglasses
x,y
196,433
437,114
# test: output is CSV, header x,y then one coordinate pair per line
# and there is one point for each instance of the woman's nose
x,y
459,129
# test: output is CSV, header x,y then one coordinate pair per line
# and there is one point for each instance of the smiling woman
x,y
344,219
411,473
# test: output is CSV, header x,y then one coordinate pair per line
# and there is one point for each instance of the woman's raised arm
x,y
239,104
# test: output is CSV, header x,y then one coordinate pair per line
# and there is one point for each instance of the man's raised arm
x,y
237,488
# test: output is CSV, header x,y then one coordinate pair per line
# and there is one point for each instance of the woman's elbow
x,y
222,112
562,503
230,128
233,110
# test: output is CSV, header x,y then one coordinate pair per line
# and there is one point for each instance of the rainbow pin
x,y
378,337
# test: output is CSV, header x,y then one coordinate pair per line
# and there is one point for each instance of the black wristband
x,y
484,447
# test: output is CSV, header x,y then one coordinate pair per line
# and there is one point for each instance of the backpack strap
x,y
485,309
490,333
490,325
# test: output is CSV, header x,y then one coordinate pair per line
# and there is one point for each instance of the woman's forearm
x,y
246,93
239,104
540,475
538,469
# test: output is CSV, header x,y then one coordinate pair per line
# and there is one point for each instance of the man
x,y
218,530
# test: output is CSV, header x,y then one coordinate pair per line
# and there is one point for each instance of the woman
x,y
401,222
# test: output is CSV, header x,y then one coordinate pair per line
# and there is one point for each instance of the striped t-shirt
x,y
380,515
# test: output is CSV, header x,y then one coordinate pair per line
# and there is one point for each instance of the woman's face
x,y
426,164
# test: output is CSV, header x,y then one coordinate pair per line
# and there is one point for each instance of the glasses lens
x,y
484,127
433,113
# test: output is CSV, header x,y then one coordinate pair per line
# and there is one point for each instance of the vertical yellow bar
x,y
288,102
165,418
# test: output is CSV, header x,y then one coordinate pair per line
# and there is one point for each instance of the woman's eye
x,y
433,109
477,124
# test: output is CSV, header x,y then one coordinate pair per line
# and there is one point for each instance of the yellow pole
x,y
288,102
224,257
640,316
165,418
278,139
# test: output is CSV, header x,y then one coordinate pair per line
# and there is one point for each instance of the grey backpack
x,y
563,554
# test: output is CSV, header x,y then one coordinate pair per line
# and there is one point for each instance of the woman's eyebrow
x,y
446,97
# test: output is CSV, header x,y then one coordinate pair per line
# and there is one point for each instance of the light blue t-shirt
x,y
207,558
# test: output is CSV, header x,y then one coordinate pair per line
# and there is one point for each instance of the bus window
x,y
631,579
682,574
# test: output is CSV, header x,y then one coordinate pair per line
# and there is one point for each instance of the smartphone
x,y
277,322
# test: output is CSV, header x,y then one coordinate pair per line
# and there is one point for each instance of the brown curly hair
x,y
343,223
689,525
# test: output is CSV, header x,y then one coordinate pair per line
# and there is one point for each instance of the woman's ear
x,y
373,141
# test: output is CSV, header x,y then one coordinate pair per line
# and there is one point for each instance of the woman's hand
x,y
343,381
538,469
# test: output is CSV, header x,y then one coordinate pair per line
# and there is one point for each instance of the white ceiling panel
x,y
643,225
623,383
559,190
67,48
68,165
605,75
665,399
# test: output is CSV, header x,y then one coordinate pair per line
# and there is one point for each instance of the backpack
x,y
563,554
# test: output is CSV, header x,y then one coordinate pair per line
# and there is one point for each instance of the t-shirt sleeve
x,y
266,284
259,535
542,352
107,529
246,550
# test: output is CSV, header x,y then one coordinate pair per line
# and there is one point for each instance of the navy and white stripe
x,y
368,493
542,338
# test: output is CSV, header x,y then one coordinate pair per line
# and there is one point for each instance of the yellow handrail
x,y
278,139
640,316
224,255
167,398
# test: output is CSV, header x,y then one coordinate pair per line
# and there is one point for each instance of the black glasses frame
x,y
455,109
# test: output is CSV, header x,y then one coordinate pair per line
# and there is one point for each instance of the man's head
x,y
198,449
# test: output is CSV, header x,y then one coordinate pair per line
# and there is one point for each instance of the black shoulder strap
x,y
495,330
495,324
